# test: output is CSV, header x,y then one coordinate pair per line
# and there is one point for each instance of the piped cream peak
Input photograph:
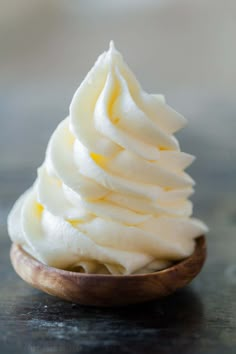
x,y
112,46
113,56
115,166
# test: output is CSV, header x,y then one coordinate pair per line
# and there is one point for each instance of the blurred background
x,y
184,49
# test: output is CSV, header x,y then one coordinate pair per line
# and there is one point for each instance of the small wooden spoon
x,y
107,290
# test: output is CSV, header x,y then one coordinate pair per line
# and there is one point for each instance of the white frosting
x,y
112,194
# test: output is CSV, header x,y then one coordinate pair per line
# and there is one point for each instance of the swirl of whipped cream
x,y
112,194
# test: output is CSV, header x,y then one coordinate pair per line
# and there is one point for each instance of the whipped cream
x,y
112,194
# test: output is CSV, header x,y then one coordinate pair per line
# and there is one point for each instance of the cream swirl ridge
x,y
112,194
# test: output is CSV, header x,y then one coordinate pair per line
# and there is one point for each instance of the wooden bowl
x,y
107,290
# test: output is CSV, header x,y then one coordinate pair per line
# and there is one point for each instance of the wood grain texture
x,y
107,290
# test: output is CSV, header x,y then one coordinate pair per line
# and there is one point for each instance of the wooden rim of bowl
x,y
106,289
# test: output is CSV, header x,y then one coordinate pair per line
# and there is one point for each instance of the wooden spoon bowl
x,y
107,290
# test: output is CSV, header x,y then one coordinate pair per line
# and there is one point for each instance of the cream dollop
x,y
112,194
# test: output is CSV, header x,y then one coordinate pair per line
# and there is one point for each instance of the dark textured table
x,y
191,60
